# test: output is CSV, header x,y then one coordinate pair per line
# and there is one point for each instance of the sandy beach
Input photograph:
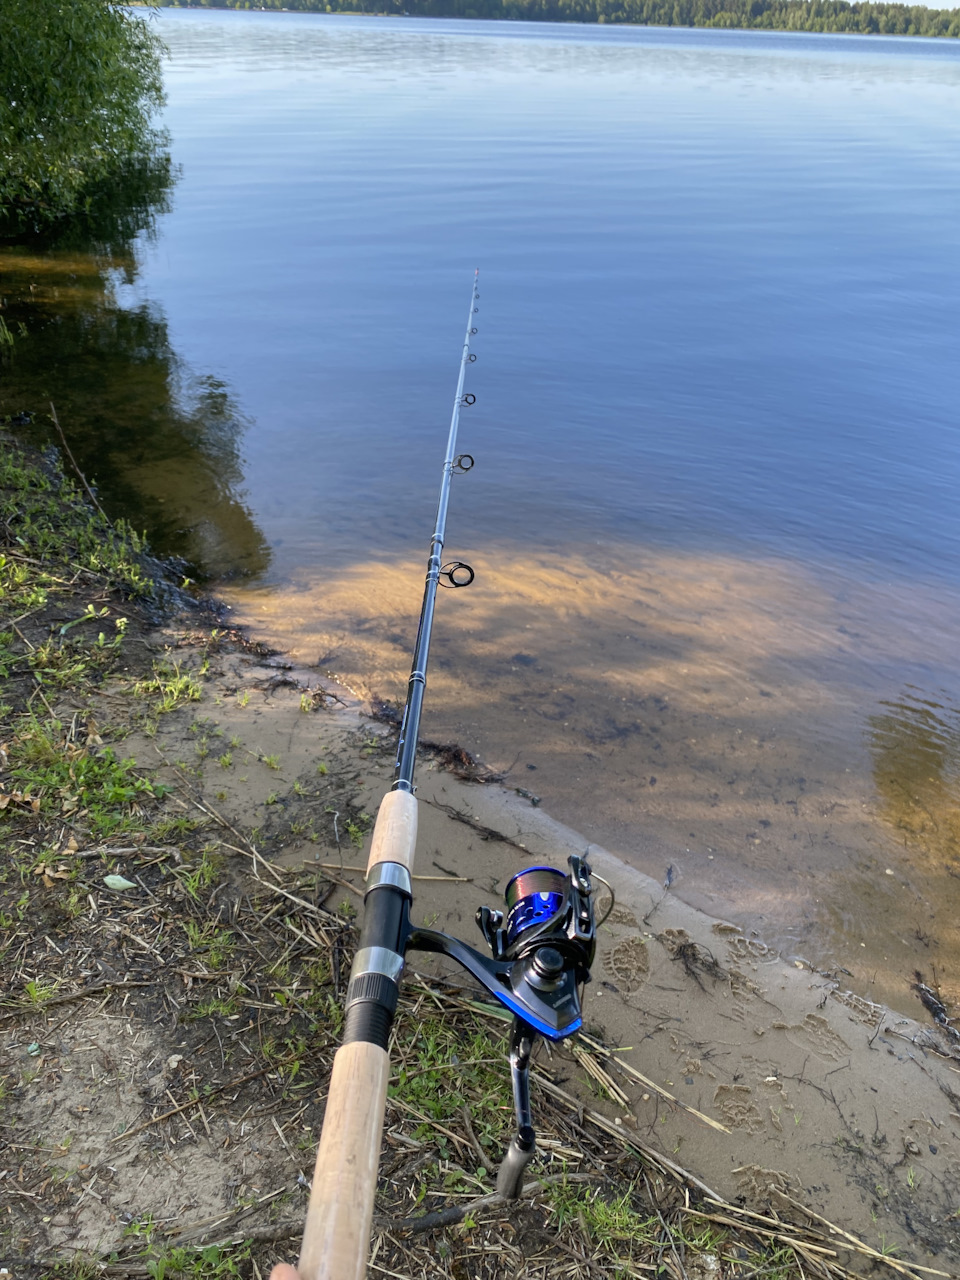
x,y
821,1102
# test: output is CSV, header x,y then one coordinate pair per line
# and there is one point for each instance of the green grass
x,y
18,909
357,828
70,663
8,653
215,1007
217,943
202,872
54,526
71,778
174,829
160,1262
169,687
441,1069
608,1222
622,1226
214,1262
37,993
60,551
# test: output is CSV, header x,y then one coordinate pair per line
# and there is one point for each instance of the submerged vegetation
x,y
872,17
915,743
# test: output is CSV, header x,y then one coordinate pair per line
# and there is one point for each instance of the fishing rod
x,y
541,952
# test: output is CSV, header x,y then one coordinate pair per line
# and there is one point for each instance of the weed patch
x,y
168,687
74,777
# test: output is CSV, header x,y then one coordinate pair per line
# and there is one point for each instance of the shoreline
x,y
729,727
810,1079
601,21
828,1100
201,783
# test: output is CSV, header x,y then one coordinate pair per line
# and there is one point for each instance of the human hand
x,y
284,1271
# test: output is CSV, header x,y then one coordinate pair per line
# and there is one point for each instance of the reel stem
x,y
523,1145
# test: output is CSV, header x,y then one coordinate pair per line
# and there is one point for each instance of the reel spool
x,y
533,897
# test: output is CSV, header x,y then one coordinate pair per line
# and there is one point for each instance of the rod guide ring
x,y
457,574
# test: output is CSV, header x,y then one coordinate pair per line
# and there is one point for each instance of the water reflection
x,y
117,210
161,444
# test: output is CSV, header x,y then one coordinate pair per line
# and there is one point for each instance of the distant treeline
x,y
769,15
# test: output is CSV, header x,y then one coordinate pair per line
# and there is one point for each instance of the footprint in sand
x,y
864,1011
628,963
738,1108
674,939
815,1034
760,1186
620,915
752,949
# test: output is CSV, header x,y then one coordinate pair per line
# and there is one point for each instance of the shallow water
x,y
713,514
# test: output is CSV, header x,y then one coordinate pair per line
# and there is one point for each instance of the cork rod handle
x,y
336,1235
395,834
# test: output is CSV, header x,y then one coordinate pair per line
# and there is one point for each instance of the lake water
x,y
714,511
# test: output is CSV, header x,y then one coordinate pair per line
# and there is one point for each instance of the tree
x,y
80,82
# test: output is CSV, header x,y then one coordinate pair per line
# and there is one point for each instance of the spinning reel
x,y
542,948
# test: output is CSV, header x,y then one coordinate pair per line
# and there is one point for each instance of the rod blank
x,y
410,727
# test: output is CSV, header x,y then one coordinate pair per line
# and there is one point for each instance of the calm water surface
x,y
714,512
